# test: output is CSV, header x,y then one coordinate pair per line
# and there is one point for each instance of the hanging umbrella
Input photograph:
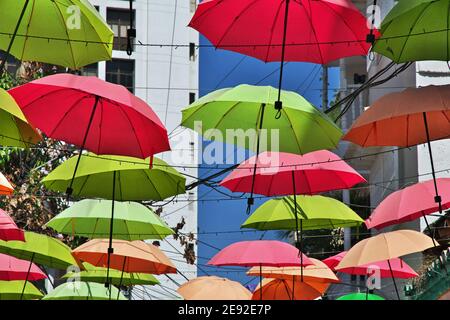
x,y
77,290
385,246
213,288
14,290
8,228
279,289
404,119
360,296
278,30
52,32
116,278
15,129
416,30
409,204
6,188
91,219
334,260
260,253
12,269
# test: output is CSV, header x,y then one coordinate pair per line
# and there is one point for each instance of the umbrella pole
x,y
121,276
91,118
393,280
297,244
279,103
8,50
111,226
437,198
251,201
28,274
260,282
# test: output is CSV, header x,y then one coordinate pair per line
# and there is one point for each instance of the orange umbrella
x,y
5,186
213,288
408,118
279,289
384,247
128,256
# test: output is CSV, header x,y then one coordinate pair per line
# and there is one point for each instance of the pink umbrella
x,y
260,253
399,268
8,228
409,204
16,269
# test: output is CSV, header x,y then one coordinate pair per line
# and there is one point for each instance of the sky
x,y
222,69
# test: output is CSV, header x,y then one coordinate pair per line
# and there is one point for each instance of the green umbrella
x,y
117,278
70,33
314,212
360,296
14,127
133,177
91,219
302,128
77,290
416,30
12,290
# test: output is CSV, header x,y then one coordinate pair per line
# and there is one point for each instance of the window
x,y
121,72
12,64
90,70
191,97
192,51
193,5
119,21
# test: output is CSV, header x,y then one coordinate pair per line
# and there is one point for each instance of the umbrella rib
x,y
26,32
134,131
67,34
151,182
275,20
296,140
314,33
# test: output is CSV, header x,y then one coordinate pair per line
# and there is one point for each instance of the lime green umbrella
x,y
133,177
246,110
77,290
360,296
91,219
116,277
70,33
416,30
14,127
12,290
314,212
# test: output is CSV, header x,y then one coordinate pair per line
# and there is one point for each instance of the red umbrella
x,y
409,204
101,117
8,228
260,253
16,269
399,268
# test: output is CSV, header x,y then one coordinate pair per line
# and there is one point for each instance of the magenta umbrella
x,y
12,269
260,253
409,204
99,116
333,261
8,228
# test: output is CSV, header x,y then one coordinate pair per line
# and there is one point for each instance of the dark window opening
x,y
121,72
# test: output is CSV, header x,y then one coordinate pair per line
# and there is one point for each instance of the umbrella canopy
x,y
8,228
134,256
400,269
317,272
360,296
277,172
41,249
12,290
385,246
409,204
397,119
241,109
315,212
213,288
116,278
15,129
259,253
416,30
99,116
5,186
279,289
48,32
77,290
333,261
91,219
314,31
134,179
12,269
